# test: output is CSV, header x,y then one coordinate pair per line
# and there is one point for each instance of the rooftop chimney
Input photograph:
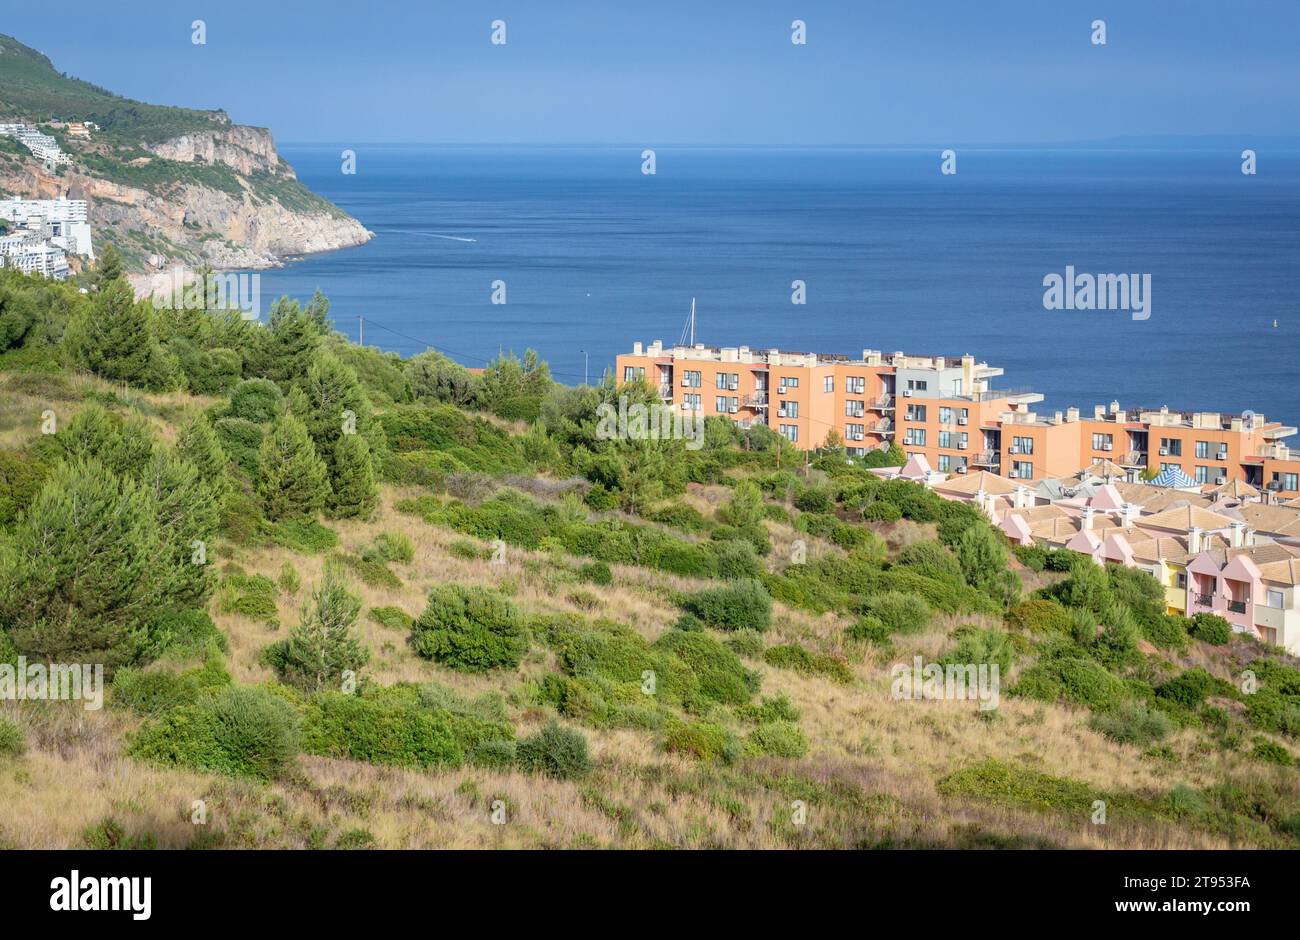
x,y
1237,534
1087,517
1194,540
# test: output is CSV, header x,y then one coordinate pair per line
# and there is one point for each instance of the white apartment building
x,y
42,146
32,254
65,222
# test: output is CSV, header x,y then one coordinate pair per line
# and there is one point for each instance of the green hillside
x,y
32,89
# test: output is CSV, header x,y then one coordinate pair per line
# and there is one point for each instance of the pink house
x,y
1086,543
1116,550
1228,589
1016,529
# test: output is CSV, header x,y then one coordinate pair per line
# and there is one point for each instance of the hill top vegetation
x,y
351,600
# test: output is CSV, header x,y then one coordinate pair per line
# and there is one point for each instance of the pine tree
x,y
188,513
198,443
113,337
287,345
322,646
352,483
108,268
292,481
84,584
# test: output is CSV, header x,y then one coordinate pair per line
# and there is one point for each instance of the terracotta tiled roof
x,y
1183,518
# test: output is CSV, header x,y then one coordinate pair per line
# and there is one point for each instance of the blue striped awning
x,y
1173,477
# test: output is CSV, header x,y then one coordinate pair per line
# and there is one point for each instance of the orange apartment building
x,y
944,408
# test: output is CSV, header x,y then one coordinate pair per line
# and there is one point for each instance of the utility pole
x,y
361,330
585,359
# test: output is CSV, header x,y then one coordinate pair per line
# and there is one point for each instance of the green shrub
x,y
185,633
1071,676
11,739
305,536
1132,723
391,546
1188,690
1039,616
470,551
109,834
721,675
814,499
153,693
252,597
371,571
900,613
555,751
702,740
779,739
779,708
1271,752
746,643
472,629
932,560
740,605
391,618
256,400
979,645
737,560
870,629
597,572
795,657
289,580
240,731
1210,628
392,730
495,755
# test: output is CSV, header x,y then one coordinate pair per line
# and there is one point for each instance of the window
x,y
1103,441
959,463
1287,481
916,412
691,379
788,409
691,402
945,438
963,439
1203,474
1274,599
1171,466
855,385
729,381
915,436
1024,469
790,432
918,385
854,432
1203,450
727,404
632,373
828,384
945,463
1171,447
1022,445
854,409
945,416
1180,580
786,382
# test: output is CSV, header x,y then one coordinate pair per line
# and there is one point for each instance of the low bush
x,y
11,739
471,629
556,751
1039,616
1132,723
1271,752
240,731
779,708
390,730
391,618
795,657
597,572
899,612
779,739
740,605
702,740
1210,628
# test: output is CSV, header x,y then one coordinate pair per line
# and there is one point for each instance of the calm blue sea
x,y
596,255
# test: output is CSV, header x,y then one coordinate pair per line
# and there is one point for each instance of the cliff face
x,y
167,186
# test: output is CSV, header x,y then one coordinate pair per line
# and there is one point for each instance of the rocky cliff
x,y
166,186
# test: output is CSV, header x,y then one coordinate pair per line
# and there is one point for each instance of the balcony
x,y
1203,600
1134,458
883,404
1237,607
756,400
883,427
666,392
987,458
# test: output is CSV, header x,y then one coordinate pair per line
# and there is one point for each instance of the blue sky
x,y
873,73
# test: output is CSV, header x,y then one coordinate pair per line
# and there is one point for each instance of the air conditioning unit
x,y
1221,455
1013,474
961,469
1108,446
1221,480
1164,452
962,420
907,393
1014,449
